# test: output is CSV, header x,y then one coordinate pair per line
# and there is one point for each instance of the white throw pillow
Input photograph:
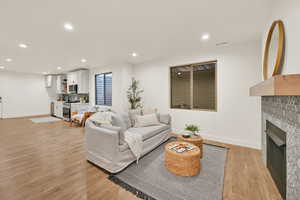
x,y
147,111
102,118
146,120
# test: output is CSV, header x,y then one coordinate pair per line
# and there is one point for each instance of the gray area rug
x,y
44,119
152,181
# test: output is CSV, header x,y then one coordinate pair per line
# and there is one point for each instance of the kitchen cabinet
x,y
58,109
72,78
79,78
48,81
83,81
61,84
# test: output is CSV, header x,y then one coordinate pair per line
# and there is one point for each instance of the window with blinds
x,y
193,86
103,89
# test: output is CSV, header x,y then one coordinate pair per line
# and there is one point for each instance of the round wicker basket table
x,y
195,140
182,164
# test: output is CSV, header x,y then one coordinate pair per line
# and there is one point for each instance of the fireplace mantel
x,y
280,85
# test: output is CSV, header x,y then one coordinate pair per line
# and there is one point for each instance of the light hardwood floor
x,y
46,161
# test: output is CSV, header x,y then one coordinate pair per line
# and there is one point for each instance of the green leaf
x,y
133,94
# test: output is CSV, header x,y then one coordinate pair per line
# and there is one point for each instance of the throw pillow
x,y
103,118
112,128
164,118
121,121
146,120
117,120
147,111
126,120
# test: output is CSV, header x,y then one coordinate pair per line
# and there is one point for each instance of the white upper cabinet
x,y
81,79
48,81
72,78
58,84
61,84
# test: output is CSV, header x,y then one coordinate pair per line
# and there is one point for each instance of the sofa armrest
x,y
165,119
102,141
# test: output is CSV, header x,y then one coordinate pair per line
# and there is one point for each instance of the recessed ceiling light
x,y
2,67
83,60
68,27
205,36
8,59
59,68
24,46
134,54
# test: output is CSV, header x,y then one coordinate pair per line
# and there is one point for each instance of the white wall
x,y
23,94
237,120
121,76
289,12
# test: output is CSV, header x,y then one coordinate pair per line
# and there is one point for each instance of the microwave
x,y
73,89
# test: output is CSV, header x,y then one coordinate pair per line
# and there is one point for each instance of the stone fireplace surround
x,y
284,112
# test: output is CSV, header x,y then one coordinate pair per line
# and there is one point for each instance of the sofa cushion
x,y
146,131
149,131
146,120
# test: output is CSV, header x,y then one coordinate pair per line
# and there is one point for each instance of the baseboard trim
x,y
230,141
29,116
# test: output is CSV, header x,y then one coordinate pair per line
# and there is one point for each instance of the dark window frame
x,y
104,89
192,82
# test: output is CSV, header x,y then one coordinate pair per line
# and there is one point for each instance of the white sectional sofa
x,y
106,148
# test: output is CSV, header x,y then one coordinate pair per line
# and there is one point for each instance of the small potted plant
x,y
193,129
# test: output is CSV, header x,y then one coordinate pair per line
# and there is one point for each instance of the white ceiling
x,y
108,31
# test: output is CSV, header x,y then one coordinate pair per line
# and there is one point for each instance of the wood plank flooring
x,y
47,161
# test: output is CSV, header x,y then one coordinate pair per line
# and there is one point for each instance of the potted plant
x,y
133,94
194,129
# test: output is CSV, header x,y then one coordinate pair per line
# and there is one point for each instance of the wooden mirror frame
x,y
280,50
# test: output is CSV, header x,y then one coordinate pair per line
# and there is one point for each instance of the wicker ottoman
x,y
195,140
182,164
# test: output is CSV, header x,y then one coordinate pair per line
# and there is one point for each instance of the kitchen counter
x,y
80,103
77,107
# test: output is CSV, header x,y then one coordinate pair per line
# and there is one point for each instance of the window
x,y
103,88
194,86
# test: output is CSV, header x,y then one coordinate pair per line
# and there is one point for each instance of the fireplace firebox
x,y
276,156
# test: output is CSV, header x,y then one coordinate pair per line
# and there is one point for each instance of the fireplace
x,y
276,156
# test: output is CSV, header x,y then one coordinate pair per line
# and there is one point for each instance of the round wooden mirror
x,y
274,50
